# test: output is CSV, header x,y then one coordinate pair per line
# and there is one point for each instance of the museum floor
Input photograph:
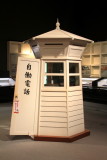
x,y
93,147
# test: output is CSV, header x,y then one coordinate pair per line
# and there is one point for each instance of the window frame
x,y
71,88
43,74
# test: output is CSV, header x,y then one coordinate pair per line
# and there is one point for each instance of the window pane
x,y
73,67
54,67
74,81
55,81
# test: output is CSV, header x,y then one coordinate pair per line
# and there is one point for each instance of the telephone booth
x,y
50,101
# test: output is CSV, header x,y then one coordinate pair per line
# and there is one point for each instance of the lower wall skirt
x,y
63,139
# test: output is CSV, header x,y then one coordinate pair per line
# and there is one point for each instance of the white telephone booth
x,y
48,102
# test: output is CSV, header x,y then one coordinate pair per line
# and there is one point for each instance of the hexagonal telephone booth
x,y
48,102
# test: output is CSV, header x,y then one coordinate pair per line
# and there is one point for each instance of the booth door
x,y
24,119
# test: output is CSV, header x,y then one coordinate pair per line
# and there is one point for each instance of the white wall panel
x,y
43,131
76,129
53,99
53,104
53,94
53,119
76,107
54,109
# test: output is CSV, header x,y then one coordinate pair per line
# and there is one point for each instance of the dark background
x,y
20,21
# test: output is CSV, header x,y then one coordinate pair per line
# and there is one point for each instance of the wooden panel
x,y
75,103
74,113
53,119
104,47
75,123
55,109
53,104
15,47
73,118
95,60
76,129
53,114
104,59
75,51
59,94
75,93
52,131
52,52
61,99
71,109
13,64
96,49
86,60
75,97
95,70
53,124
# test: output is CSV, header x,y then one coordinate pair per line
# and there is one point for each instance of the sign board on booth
x,y
25,105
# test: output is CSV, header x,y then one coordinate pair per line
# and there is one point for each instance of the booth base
x,y
63,139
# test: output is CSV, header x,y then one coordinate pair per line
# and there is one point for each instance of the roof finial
x,y
57,24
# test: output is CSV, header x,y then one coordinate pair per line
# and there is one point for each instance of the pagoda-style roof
x,y
59,33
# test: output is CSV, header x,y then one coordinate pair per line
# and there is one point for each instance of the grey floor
x,y
93,147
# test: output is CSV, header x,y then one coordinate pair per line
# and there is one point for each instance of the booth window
x,y
74,75
74,81
73,67
54,74
54,67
